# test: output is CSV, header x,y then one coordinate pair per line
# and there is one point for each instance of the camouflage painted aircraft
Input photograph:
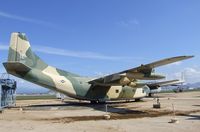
x,y
24,63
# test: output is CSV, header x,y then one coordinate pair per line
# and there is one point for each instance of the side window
x,y
117,91
62,81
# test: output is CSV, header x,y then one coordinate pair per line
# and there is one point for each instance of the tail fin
x,y
21,59
20,51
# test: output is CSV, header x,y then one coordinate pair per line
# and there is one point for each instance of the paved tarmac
x,y
73,115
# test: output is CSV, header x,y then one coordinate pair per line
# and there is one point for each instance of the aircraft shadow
x,y
196,105
112,107
193,117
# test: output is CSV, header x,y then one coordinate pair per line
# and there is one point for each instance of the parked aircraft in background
x,y
156,87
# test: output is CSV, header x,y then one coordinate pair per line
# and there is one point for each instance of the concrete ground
x,y
72,115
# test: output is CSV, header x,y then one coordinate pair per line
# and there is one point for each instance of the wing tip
x,y
184,57
188,56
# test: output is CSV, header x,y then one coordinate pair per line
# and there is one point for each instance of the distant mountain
x,y
187,86
194,85
23,90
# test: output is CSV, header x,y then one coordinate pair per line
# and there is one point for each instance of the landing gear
x,y
127,100
137,100
101,102
97,102
93,101
150,94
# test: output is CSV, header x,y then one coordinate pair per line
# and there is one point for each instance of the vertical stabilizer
x,y
20,51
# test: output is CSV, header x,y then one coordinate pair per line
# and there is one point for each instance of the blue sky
x,y
96,37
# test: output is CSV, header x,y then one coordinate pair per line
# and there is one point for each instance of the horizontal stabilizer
x,y
16,68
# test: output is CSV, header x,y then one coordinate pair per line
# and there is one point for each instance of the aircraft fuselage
x,y
75,86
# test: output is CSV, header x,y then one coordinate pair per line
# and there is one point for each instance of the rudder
x,y
20,51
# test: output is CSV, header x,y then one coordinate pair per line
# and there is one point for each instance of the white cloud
x,y
192,72
3,47
128,23
191,75
26,19
2,70
77,54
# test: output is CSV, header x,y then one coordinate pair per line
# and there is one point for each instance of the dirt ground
x,y
72,115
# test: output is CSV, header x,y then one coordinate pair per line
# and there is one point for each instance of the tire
x,y
137,100
93,102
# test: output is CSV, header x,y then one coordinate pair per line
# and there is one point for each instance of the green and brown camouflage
x,y
24,63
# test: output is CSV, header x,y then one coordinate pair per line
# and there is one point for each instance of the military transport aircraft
x,y
24,63
156,87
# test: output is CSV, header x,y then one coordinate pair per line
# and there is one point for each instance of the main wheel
x,y
150,95
93,102
137,100
101,102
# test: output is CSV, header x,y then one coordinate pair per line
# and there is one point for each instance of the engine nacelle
x,y
132,84
124,81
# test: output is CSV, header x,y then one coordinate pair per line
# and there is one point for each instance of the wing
x,y
143,72
156,85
